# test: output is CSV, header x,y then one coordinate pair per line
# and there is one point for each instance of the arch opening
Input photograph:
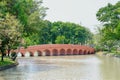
x,y
69,52
75,52
84,52
47,53
19,54
39,53
92,52
31,54
27,54
80,52
55,52
88,52
62,52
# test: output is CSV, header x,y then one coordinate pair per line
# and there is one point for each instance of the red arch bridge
x,y
55,50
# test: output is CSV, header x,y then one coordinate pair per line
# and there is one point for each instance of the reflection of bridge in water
x,y
56,50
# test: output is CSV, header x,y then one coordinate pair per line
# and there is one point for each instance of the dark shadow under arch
x,y
84,52
69,52
31,54
75,52
23,55
62,52
80,52
55,52
47,52
39,53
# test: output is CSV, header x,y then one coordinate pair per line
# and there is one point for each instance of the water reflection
x,y
110,68
83,67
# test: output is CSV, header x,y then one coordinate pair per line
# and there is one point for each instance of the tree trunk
x,y
2,57
109,49
2,51
8,52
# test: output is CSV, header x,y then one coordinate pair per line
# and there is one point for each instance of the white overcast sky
x,y
77,11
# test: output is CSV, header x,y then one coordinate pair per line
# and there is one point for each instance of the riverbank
x,y
7,63
105,53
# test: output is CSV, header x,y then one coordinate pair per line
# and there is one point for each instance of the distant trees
x,y
64,33
59,33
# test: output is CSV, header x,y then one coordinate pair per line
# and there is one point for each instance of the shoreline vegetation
x,y
7,63
110,54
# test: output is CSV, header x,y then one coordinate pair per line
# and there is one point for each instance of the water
x,y
83,67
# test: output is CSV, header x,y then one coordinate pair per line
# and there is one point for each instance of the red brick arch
x,y
47,52
55,52
39,53
80,52
69,52
58,49
75,52
62,52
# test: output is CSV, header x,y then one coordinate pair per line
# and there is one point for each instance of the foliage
x,y
109,15
110,18
10,32
60,39
29,12
64,32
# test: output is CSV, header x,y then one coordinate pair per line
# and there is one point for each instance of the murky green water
x,y
85,67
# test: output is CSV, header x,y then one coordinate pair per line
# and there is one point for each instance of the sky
x,y
82,12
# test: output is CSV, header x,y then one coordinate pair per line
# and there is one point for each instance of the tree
x,y
109,16
30,13
10,32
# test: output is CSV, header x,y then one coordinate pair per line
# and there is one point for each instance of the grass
x,y
6,62
112,53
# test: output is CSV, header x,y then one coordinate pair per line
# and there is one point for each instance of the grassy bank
x,y
113,53
6,62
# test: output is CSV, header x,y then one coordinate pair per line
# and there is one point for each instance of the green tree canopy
x,y
110,18
10,32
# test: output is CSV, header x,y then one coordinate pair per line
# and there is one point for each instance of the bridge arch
x,y
23,55
80,52
92,52
88,52
19,54
28,54
37,53
62,51
55,52
31,53
75,52
47,52
69,52
85,52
